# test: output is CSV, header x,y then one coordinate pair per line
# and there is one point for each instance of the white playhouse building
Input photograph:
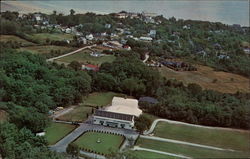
x,y
120,114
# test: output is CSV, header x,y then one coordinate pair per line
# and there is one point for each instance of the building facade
x,y
113,119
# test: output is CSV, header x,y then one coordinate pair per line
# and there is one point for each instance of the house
x,y
104,34
113,119
112,44
121,15
223,57
150,100
107,26
90,67
90,37
40,134
68,30
217,46
95,54
152,33
247,51
126,47
146,38
82,40
186,27
37,17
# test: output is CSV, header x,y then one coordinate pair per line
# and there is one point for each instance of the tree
x,y
75,65
72,12
73,150
142,123
195,89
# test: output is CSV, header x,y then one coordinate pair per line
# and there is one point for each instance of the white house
x,y
113,119
68,30
146,38
90,37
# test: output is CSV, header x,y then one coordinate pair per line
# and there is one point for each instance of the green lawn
x,y
101,98
78,114
6,38
237,140
189,151
84,57
108,142
46,49
149,155
57,131
41,37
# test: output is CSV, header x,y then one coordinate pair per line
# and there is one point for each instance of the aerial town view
x,y
132,79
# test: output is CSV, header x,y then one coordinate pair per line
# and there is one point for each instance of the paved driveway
x,y
61,145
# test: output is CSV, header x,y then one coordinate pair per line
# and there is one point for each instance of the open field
x,y
226,82
149,155
189,151
79,114
41,37
101,98
108,142
228,139
46,49
6,38
56,131
84,57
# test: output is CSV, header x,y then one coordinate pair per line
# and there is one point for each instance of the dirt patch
x,y
207,78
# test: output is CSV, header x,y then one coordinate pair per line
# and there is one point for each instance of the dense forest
x,y
29,87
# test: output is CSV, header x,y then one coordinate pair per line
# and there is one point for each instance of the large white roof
x,y
125,106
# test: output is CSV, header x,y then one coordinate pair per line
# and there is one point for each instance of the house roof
x,y
113,115
148,99
91,66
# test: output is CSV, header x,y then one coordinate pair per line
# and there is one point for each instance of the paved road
x,y
184,143
187,124
160,152
92,155
61,145
70,53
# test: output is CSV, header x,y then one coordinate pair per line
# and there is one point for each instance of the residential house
x,y
89,37
152,33
107,26
121,15
68,30
127,47
90,67
223,57
82,40
146,38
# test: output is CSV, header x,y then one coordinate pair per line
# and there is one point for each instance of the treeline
x,y
29,87
177,102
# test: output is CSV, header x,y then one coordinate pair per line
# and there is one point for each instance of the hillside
x,y
208,78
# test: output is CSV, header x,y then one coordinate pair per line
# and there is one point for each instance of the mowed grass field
x,y
57,131
46,49
6,38
108,142
96,99
78,114
226,82
41,37
226,138
189,151
140,154
84,57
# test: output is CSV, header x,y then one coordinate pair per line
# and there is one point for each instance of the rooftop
x,y
113,115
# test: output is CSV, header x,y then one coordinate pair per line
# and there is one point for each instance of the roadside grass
x,y
101,98
228,139
45,49
189,151
108,143
151,117
204,76
84,57
57,131
149,155
41,37
6,38
79,114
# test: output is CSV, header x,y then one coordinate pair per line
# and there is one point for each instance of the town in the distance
x,y
123,85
